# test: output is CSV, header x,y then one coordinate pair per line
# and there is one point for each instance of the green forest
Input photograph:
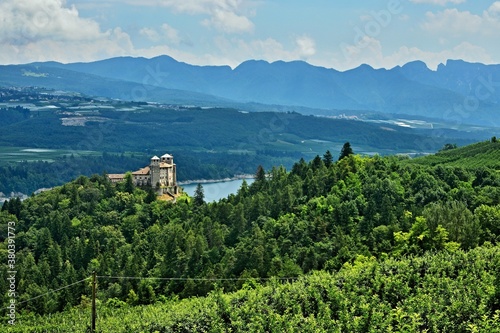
x,y
335,244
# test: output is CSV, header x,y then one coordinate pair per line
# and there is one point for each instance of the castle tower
x,y
167,170
155,170
167,158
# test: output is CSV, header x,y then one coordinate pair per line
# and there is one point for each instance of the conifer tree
x,y
199,195
260,175
346,151
129,183
327,159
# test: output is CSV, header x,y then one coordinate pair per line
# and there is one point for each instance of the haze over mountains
x,y
457,92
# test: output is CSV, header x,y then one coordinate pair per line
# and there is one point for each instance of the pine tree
x,y
129,183
316,163
328,159
260,175
199,195
346,151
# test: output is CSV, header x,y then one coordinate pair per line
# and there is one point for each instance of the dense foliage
x,y
416,245
439,292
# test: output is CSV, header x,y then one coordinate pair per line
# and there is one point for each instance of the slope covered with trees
x,y
439,292
397,243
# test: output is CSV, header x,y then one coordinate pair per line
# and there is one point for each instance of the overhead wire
x,y
50,292
153,278
193,279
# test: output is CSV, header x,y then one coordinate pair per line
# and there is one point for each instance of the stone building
x,y
161,174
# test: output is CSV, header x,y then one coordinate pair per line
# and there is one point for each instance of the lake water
x,y
216,190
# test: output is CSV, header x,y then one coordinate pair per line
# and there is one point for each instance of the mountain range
x,y
457,92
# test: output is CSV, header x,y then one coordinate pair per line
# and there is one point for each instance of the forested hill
x,y
401,246
481,154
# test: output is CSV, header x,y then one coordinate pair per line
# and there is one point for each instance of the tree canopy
x,y
394,238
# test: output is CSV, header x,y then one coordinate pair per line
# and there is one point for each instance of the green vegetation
x,y
444,292
28,177
367,244
482,154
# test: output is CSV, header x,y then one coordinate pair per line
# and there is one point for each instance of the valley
x,y
63,128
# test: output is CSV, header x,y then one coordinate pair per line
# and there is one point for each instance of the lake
x,y
216,190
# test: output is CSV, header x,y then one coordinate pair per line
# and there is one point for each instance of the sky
x,y
334,34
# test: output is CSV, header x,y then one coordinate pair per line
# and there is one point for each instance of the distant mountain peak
x,y
416,65
163,57
412,89
365,67
455,64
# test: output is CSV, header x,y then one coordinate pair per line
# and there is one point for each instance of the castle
x,y
160,174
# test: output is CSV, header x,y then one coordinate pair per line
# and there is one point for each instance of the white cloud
x,y
367,51
438,2
46,30
228,21
306,46
494,10
458,23
170,33
166,33
370,51
25,21
150,34
453,21
39,30
464,51
236,50
229,16
233,51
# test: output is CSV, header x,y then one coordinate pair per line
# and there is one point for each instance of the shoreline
x,y
208,181
23,196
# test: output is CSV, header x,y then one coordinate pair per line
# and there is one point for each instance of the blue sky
x,y
328,33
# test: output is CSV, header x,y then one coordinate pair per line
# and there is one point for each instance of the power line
x,y
50,292
95,277
192,279
155,278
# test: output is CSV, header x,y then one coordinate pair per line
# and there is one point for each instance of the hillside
x,y
375,244
458,92
481,154
370,295
55,78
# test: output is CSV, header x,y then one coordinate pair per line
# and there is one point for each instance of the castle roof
x,y
116,176
155,158
167,156
141,172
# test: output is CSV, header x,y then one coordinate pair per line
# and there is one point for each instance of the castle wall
x,y
160,171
